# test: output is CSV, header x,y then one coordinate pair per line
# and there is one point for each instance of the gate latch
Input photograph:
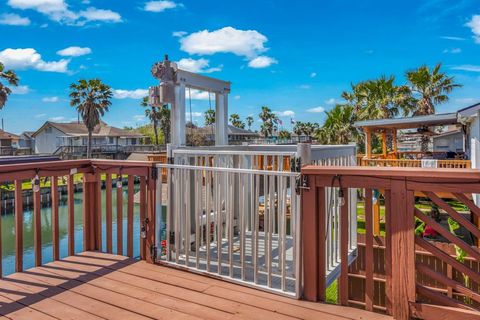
x,y
301,183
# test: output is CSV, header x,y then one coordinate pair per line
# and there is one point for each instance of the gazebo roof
x,y
410,122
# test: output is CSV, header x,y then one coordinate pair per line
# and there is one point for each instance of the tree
x,y
209,117
11,78
379,99
269,121
153,115
92,99
298,128
164,122
236,122
309,128
432,88
284,134
249,121
338,127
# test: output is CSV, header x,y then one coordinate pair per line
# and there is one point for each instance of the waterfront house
x,y
69,140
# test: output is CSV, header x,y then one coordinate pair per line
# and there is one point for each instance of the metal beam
x,y
199,82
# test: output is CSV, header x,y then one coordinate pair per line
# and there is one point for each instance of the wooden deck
x,y
104,286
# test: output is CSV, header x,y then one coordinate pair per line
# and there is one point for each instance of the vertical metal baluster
x,y
231,178
208,201
256,221
282,230
218,206
169,212
188,213
242,231
176,211
297,252
271,219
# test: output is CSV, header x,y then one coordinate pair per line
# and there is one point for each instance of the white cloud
x,y
246,43
94,14
139,117
198,66
12,19
57,119
237,97
331,101
58,10
20,89
452,50
305,86
286,113
467,67
40,115
313,75
262,62
474,25
467,100
179,34
30,59
129,94
160,6
453,38
316,110
200,95
50,99
74,51
193,114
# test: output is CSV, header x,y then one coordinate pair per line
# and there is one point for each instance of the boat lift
x,y
173,82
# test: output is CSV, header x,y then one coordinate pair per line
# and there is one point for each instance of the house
x,y
8,142
26,143
235,135
69,140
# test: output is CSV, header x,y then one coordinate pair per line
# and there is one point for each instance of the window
x,y
48,130
111,140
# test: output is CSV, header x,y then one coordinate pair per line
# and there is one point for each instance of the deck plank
x,y
94,285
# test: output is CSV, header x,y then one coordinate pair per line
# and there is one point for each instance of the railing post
x,y
149,242
402,243
313,239
91,212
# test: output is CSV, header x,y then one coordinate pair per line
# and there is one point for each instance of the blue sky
x,y
296,57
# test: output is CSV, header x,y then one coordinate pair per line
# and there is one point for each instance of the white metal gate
x,y
240,224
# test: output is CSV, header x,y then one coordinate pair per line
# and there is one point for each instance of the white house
x,y
53,136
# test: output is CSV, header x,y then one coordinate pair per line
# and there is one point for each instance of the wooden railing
x,y
91,175
413,163
405,295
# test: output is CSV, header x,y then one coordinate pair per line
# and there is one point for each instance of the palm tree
x,y
92,99
432,88
309,128
151,113
164,122
284,134
379,99
209,117
269,121
338,127
249,121
11,79
236,122
298,128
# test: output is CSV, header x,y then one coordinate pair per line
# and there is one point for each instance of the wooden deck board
x,y
94,285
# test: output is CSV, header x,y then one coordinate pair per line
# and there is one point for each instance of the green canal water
x,y
8,231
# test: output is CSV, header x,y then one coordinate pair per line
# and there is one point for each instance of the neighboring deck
x,y
103,286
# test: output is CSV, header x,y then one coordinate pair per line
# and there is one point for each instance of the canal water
x,y
8,231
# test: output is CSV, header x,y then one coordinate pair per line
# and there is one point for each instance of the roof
x,y
231,130
79,129
4,135
410,122
448,133
469,111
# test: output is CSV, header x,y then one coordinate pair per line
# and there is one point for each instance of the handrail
x,y
406,290
443,163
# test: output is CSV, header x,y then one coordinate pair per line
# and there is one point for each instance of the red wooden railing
x,y
92,172
407,294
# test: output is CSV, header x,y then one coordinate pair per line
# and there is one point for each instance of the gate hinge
x,y
153,252
154,174
295,164
302,183
171,237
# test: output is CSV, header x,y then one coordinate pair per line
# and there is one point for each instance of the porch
x,y
93,285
